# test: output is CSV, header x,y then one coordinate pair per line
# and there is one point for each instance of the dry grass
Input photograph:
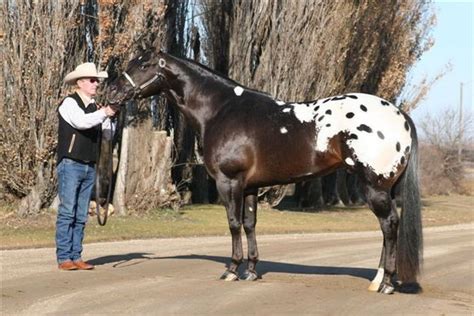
x,y
207,220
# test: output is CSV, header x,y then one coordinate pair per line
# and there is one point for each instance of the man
x,y
80,125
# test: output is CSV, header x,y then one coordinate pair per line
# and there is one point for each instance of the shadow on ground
x,y
263,266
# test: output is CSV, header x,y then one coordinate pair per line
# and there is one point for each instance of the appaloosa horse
x,y
251,140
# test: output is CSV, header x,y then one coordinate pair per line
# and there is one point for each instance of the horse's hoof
x,y
229,276
249,276
386,289
374,287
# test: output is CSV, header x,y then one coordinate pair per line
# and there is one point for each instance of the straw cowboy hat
x,y
82,71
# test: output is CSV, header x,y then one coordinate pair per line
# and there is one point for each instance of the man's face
x,y
88,86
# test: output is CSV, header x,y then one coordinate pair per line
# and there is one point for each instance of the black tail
x,y
410,236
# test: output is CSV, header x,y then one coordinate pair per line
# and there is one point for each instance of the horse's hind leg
x,y
378,279
231,192
250,220
384,208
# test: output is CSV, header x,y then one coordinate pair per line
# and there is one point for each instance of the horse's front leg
x,y
231,192
250,220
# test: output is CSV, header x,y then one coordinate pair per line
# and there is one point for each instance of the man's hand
x,y
110,110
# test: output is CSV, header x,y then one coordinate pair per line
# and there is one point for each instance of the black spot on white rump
x,y
364,128
321,118
398,146
350,115
363,108
328,112
407,127
384,102
351,96
380,134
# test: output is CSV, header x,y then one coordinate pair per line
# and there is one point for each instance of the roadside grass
x,y
211,220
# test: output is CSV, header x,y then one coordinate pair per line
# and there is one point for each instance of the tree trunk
x,y
148,174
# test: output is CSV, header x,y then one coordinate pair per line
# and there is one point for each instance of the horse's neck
x,y
192,96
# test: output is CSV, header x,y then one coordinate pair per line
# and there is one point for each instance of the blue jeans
x,y
75,183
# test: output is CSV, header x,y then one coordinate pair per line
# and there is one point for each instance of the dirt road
x,y
301,275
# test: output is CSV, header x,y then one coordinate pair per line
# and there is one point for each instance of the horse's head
x,y
145,75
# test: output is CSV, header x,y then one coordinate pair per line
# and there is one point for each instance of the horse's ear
x,y
161,50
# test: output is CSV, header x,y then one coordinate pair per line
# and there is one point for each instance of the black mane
x,y
218,77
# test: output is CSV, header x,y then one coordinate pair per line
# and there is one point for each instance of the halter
x,y
139,89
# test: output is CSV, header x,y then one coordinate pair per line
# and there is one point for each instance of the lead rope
x,y
110,170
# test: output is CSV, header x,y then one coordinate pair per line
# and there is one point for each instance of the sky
x,y
453,36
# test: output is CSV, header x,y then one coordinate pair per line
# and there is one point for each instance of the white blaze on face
x,y
283,130
238,91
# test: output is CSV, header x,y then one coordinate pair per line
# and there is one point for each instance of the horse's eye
x,y
143,67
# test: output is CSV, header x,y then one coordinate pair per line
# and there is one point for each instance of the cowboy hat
x,y
82,71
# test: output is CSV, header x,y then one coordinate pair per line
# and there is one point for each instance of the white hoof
x,y
374,287
375,284
249,276
229,276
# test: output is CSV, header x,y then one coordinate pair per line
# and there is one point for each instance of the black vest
x,y
81,145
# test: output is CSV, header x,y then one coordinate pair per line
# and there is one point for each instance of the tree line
x,y
293,50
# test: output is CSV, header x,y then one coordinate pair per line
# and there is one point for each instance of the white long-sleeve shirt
x,y
77,118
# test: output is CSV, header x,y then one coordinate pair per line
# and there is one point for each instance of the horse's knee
x,y
235,226
249,227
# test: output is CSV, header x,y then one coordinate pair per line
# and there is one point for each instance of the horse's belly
x,y
287,162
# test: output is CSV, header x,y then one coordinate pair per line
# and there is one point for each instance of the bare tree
x,y
37,53
126,28
44,41
412,95
442,172
294,50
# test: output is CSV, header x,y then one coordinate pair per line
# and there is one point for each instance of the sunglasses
x,y
92,80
